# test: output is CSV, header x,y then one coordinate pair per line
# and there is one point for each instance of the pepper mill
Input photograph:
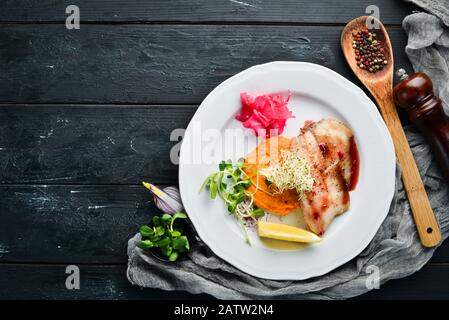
x,y
415,94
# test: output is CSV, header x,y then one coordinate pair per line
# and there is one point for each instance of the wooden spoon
x,y
380,84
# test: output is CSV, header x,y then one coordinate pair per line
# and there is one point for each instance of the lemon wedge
x,y
285,232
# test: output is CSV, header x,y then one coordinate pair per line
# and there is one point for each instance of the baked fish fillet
x,y
329,147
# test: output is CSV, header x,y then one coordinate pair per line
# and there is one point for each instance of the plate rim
x,y
244,267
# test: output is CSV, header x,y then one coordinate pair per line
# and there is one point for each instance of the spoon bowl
x,y
381,78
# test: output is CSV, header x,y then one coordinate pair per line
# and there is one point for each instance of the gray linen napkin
x,y
395,250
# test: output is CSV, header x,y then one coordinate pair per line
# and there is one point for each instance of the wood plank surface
x,y
109,282
78,224
430,283
19,281
82,224
86,115
89,144
286,11
158,64
441,253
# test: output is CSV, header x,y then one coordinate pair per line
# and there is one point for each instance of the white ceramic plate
x,y
317,92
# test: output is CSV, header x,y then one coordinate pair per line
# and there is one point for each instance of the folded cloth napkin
x,y
395,250
428,44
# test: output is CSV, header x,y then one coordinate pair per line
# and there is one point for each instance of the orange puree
x,y
269,151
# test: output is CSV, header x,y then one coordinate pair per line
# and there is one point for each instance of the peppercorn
x,y
369,53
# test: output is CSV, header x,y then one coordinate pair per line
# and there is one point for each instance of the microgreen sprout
x,y
231,183
163,235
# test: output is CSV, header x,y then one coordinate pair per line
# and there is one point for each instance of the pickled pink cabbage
x,y
266,114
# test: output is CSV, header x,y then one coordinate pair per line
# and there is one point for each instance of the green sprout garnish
x,y
230,183
163,235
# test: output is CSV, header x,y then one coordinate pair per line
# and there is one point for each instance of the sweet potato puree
x,y
269,151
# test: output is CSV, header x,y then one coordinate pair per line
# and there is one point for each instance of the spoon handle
x,y
428,229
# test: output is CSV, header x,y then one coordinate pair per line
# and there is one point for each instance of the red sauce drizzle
x,y
324,149
340,155
355,167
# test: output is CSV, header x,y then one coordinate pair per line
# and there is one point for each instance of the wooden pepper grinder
x,y
415,94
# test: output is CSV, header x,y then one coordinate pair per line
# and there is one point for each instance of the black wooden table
x,y
86,115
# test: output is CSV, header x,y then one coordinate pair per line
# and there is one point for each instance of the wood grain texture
x,y
96,282
430,283
424,217
73,224
109,282
89,144
441,254
168,64
292,11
